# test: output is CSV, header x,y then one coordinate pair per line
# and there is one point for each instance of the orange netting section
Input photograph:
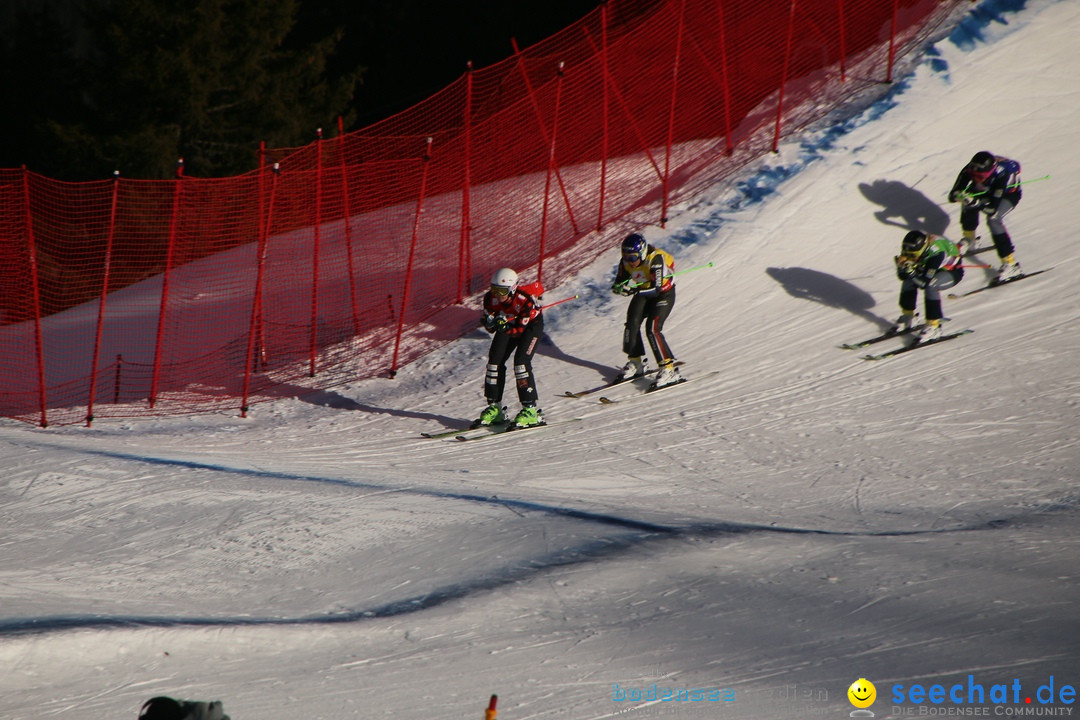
x,y
359,253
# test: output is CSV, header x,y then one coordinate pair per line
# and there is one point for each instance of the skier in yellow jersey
x,y
645,274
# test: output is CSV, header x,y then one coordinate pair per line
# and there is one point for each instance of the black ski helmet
x,y
635,244
982,162
914,242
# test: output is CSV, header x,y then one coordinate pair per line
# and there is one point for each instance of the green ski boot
x,y
493,414
529,417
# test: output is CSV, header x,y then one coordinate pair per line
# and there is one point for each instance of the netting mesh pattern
x,y
359,253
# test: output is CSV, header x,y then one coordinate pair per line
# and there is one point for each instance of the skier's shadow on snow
x,y
829,290
337,401
548,348
914,210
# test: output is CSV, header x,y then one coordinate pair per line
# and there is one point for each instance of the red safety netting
x,y
359,253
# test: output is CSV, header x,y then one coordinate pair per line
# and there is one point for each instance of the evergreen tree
x,y
93,86
36,84
205,80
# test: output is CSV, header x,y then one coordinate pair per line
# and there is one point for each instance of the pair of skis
x,y
614,383
994,283
948,336
888,335
999,283
604,400
475,431
916,345
906,333
503,429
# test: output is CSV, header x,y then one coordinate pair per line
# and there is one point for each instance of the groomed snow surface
x,y
792,520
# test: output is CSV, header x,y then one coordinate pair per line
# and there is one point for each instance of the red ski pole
x,y
558,302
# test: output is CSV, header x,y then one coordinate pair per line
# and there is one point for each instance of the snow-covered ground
x,y
791,521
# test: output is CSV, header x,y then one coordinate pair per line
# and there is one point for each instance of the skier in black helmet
x,y
645,274
931,264
989,185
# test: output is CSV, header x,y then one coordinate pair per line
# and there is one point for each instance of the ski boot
x,y
930,331
669,375
634,368
493,414
530,416
903,323
1009,270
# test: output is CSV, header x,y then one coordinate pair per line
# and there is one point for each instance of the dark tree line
x,y
93,86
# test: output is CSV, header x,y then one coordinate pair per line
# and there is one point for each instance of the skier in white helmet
x,y
513,316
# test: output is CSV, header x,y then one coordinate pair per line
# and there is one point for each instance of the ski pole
x,y
977,265
558,302
687,270
491,712
681,272
957,244
1025,182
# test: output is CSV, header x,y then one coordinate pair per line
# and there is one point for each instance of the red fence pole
x,y
892,41
543,129
784,75
843,40
464,287
547,181
314,330
251,358
264,230
605,112
347,204
177,191
608,79
101,302
116,379
31,253
725,81
671,113
412,257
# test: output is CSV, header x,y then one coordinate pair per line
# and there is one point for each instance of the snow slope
x,y
791,521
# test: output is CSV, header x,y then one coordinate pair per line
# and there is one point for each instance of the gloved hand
x,y
972,202
501,324
623,288
990,211
904,268
956,196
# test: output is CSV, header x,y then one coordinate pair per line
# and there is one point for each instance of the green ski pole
x,y
1025,182
680,272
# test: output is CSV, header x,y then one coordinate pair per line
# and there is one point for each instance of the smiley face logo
x,y
862,693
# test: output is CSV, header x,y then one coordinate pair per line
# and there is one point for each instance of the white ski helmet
x,y
504,282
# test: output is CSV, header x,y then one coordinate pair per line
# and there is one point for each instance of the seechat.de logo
x,y
862,694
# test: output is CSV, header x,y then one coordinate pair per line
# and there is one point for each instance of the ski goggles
x,y
632,258
500,290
